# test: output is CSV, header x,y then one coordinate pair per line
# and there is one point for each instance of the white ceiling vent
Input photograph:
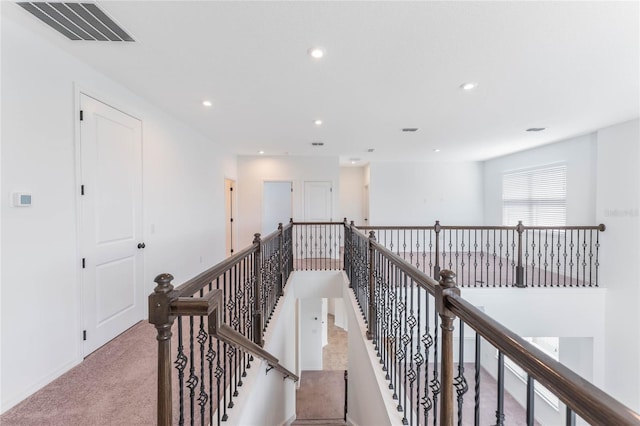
x,y
77,21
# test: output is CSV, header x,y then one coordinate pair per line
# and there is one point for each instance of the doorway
x,y
277,205
111,245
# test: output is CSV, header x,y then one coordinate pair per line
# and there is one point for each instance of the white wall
x,y
352,194
267,399
579,154
183,202
617,205
603,186
421,193
310,334
253,171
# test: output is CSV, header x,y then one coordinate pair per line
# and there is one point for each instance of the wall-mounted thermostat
x,y
21,199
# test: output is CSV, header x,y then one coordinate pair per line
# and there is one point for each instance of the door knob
x,y
141,245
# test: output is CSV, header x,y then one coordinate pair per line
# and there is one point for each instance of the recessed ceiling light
x,y
316,52
436,150
207,103
468,86
260,152
536,129
317,122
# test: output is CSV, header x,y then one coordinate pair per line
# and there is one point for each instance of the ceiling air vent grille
x,y
77,21
317,143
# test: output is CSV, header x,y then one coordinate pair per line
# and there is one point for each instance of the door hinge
x,y
83,263
81,189
84,334
81,115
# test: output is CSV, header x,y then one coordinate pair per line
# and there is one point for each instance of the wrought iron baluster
x,y
435,382
571,417
481,258
457,254
558,245
597,253
405,343
546,263
462,264
225,416
460,382
499,255
386,319
590,257
418,357
487,263
192,382
530,401
564,263
571,246
431,251
202,339
494,258
475,259
219,372
180,363
476,401
584,256
539,257
211,356
500,398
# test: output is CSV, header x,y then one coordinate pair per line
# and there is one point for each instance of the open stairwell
x,y
320,399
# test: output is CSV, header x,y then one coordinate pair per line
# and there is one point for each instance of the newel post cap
x,y
164,283
447,278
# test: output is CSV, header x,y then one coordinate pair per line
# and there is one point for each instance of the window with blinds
x,y
537,197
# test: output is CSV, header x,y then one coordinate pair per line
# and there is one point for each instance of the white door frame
x,y
104,97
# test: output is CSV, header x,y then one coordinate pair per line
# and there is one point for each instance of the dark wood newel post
x,y
520,267
436,266
371,324
159,315
446,287
280,258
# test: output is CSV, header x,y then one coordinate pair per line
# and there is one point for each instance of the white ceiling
x,y
571,67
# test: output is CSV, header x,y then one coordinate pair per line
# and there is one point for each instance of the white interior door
x,y
111,229
277,205
317,201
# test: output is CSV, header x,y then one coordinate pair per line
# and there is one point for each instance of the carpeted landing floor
x,y
115,385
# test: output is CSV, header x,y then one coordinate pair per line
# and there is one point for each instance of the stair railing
x,y
500,256
221,315
410,320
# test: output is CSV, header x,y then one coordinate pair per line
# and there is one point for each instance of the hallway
x,y
320,398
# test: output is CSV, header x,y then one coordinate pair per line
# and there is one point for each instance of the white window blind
x,y
537,197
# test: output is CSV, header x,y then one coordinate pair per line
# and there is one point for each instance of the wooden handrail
x,y
211,306
232,337
200,281
588,401
600,227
